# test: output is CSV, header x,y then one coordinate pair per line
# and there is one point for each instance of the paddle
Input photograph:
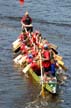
x,y
25,70
58,57
22,60
17,50
53,46
54,50
64,67
16,45
42,89
17,58
60,62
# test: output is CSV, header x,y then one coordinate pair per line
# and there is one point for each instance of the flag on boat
x,y
21,2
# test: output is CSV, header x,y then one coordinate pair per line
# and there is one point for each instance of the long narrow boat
x,y
50,84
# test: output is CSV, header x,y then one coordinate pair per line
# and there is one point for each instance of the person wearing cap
x,y
29,58
26,22
46,59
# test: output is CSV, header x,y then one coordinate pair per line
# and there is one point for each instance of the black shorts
x,y
30,29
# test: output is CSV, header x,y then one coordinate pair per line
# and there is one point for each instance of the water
x,y
53,19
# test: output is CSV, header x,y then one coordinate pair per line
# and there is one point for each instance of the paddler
x,y
26,22
31,59
46,59
24,48
21,36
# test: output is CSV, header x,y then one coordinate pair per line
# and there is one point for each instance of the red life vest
x,y
23,48
33,38
34,66
21,37
26,20
46,63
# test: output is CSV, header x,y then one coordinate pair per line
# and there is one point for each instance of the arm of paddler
x,y
45,59
27,25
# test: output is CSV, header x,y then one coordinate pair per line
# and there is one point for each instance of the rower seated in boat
x,y
46,59
24,48
26,22
31,60
49,64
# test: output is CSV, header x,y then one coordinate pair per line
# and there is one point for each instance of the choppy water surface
x,y
53,19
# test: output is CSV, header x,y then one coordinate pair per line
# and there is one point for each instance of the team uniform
x,y
27,20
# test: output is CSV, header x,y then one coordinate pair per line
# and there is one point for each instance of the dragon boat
x,y
50,83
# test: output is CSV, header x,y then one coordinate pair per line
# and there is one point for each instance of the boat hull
x,y
50,85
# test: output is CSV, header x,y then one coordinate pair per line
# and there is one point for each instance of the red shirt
x,y
29,60
34,66
23,48
34,38
35,53
21,37
46,63
26,20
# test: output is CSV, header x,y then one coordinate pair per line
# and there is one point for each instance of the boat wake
x,y
49,101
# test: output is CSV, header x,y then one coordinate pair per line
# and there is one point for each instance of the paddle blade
x,y
42,93
58,57
53,46
22,60
17,50
17,58
60,62
26,68
64,67
16,45
54,50
21,2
